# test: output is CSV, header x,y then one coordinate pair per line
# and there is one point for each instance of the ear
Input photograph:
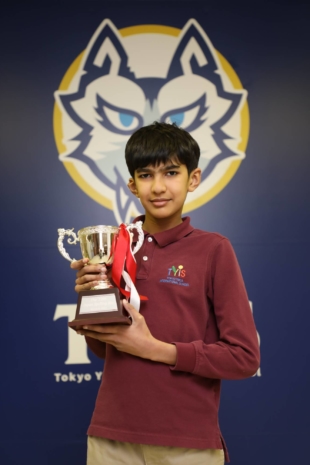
x,y
194,53
132,187
194,180
105,53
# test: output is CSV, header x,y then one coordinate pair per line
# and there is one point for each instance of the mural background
x,y
264,211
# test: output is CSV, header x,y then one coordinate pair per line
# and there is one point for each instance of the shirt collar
x,y
171,235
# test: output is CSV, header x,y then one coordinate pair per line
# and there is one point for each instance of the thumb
x,y
78,264
131,310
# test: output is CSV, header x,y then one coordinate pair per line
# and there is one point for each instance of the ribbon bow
x,y
124,265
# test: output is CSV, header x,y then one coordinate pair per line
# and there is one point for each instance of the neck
x,y
155,225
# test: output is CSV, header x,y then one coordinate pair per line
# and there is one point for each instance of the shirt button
x,y
145,258
149,239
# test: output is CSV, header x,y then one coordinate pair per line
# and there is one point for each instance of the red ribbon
x,y
123,257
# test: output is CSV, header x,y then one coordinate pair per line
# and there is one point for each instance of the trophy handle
x,y
61,235
138,227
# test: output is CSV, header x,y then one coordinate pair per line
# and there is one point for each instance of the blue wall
x,y
264,210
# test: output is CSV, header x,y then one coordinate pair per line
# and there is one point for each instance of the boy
x,y
159,397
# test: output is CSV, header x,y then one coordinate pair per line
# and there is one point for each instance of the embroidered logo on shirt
x,y
175,276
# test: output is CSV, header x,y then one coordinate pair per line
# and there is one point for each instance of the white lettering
x,y
77,347
72,376
57,376
77,378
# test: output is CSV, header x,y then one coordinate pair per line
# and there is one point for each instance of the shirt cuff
x,y
186,357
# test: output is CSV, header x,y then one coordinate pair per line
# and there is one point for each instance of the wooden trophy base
x,y
99,307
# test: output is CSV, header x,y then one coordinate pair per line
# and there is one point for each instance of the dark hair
x,y
159,143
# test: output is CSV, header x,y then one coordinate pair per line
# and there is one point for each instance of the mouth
x,y
160,202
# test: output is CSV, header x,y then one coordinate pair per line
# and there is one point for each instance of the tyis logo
x,y
175,275
128,78
179,271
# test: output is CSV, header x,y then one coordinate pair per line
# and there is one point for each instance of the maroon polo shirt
x,y
196,300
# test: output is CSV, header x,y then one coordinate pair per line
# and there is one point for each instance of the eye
x,y
122,120
176,118
184,119
189,117
116,119
144,175
126,119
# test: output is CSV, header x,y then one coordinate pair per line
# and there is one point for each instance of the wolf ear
x,y
105,53
193,54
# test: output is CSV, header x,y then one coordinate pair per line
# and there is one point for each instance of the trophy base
x,y
121,320
99,307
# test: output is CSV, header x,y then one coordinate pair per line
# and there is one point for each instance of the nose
x,y
158,185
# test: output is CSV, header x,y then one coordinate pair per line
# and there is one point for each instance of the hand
x,y
88,276
135,339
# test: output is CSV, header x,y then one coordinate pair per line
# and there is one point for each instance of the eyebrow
x,y
164,168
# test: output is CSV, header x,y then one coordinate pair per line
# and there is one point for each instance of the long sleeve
x,y
235,352
97,347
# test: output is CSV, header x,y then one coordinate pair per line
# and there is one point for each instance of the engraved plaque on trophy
x,y
101,245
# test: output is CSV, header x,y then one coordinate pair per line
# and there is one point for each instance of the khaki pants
x,y
106,452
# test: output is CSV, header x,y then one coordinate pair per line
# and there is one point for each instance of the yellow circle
x,y
204,198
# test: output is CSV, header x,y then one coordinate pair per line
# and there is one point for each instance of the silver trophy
x,y
100,305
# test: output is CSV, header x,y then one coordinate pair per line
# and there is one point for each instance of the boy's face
x,y
162,189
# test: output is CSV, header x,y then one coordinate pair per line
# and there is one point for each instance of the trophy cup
x,y
105,245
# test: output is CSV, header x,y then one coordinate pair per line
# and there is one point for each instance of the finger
x,y
92,334
86,286
103,337
103,329
91,277
91,269
131,310
78,264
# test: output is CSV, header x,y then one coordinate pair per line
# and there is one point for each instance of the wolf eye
x,y
116,119
189,117
121,120
185,118
126,119
176,118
